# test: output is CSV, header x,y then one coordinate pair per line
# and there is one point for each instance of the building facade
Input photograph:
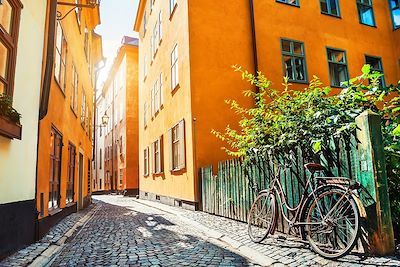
x,y
22,37
64,171
100,185
187,49
120,92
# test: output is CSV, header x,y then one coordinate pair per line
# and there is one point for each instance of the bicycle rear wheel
x,y
262,216
333,224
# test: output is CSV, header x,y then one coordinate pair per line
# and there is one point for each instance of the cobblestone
x,y
126,233
287,251
26,256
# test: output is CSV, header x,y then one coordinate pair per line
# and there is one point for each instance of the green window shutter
x,y
170,154
182,148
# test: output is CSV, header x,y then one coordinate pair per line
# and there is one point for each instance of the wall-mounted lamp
x,y
77,4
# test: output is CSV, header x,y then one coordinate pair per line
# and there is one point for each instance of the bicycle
x,y
328,217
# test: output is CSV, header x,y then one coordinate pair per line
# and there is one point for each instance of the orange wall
x,y
61,116
318,31
132,119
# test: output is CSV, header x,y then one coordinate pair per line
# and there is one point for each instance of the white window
x,y
177,155
121,111
145,66
161,97
157,156
146,162
145,114
174,68
144,22
156,97
160,31
172,4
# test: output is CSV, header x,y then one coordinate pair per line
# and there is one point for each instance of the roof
x,y
127,40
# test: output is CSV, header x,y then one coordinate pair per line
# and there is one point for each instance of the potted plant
x,y
10,119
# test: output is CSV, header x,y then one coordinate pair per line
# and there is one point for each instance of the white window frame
x,y
174,68
146,162
177,145
172,5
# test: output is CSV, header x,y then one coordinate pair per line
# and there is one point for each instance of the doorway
x,y
80,183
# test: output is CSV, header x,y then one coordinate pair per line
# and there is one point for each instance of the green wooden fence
x,y
232,190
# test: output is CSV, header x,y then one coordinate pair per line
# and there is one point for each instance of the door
x,y
80,183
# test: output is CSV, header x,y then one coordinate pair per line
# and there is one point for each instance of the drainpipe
x,y
44,100
254,38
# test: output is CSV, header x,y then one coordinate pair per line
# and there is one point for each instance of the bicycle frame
x,y
276,186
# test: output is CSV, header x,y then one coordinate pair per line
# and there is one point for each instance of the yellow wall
x,y
177,104
61,116
18,157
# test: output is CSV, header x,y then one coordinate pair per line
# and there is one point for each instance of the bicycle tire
x,y
332,233
258,234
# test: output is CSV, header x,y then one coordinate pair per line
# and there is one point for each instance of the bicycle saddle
x,y
312,167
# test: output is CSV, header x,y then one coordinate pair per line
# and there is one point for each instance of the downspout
x,y
44,100
254,39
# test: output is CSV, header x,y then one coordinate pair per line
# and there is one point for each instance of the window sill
x,y
297,81
62,89
10,129
70,204
178,171
73,111
331,15
173,12
173,90
55,211
372,26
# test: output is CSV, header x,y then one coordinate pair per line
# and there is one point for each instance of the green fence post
x,y
373,178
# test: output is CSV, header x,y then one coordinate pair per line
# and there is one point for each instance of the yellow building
x,y
22,35
186,52
66,128
119,158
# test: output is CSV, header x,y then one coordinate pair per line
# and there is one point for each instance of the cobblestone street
x,y
121,231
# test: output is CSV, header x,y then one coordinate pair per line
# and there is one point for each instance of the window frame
x,y
146,161
329,64
74,90
174,68
329,12
297,2
55,159
70,189
381,70
10,41
157,153
178,145
370,5
391,9
292,54
61,76
172,7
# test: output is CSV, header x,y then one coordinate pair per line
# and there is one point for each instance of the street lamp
x,y
104,120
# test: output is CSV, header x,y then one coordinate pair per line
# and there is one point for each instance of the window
x,y
145,114
161,97
10,11
78,13
83,109
61,57
151,5
121,176
157,156
176,137
290,2
294,62
395,10
155,99
71,173
145,66
366,12
160,30
376,66
55,169
174,68
155,39
337,67
86,44
74,92
146,162
330,7
101,159
144,23
89,175
172,5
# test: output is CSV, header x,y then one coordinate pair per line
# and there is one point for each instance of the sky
x,y
117,19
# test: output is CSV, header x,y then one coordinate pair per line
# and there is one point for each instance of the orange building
x,y
120,145
66,129
186,52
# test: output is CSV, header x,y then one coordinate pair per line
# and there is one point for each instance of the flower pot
x,y
10,129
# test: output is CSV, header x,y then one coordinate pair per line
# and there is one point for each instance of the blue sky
x,y
117,19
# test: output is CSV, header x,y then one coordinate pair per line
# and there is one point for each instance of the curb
x,y
47,256
234,245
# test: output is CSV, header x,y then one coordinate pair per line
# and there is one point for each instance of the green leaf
x,y
396,131
317,146
366,69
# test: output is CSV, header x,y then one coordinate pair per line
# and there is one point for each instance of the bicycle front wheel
x,y
262,217
333,224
